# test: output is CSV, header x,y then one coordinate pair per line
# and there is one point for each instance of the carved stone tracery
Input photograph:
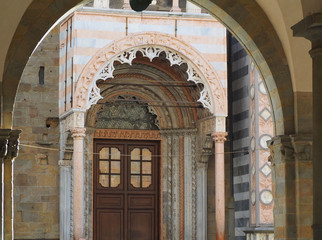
x,y
150,45
127,112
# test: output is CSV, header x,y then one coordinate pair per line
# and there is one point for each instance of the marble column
x,y
4,135
175,6
126,5
219,139
78,134
311,28
8,214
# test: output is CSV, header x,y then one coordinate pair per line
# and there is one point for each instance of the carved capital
x,y
281,149
64,163
4,135
206,150
78,132
219,137
310,28
13,144
290,148
302,145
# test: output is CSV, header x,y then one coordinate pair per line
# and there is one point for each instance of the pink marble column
x,y
219,139
175,6
78,135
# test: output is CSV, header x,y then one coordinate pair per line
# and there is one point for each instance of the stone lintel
x,y
310,28
178,132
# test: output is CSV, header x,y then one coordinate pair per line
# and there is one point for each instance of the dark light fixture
x,y
140,5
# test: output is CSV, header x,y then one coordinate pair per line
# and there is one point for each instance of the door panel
x,y
111,224
125,178
141,225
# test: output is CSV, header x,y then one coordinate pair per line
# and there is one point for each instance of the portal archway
x,y
150,45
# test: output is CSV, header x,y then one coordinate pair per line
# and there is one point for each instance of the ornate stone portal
x,y
129,117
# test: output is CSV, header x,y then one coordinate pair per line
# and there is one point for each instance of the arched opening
x,y
272,91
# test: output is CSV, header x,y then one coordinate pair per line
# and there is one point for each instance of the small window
x,y
41,75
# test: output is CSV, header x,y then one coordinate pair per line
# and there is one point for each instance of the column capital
x,y
65,163
219,137
4,136
310,28
78,132
13,144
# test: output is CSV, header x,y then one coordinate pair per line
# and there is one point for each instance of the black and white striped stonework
x,y
239,110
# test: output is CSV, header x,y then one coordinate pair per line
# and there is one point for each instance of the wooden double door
x,y
126,190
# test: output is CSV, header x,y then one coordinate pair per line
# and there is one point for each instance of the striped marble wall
x,y
240,122
92,30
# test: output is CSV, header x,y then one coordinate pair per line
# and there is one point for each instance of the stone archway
x,y
272,90
150,45
270,63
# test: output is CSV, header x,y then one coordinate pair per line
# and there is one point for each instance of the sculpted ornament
x,y
150,45
219,137
78,132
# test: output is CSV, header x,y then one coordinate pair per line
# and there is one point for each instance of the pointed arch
x,y
151,45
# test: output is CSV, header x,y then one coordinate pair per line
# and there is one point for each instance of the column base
x,y
259,233
175,9
126,6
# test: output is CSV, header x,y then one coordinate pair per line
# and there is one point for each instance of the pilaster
x,y
292,186
4,135
65,198
282,158
302,145
8,164
179,183
311,29
202,196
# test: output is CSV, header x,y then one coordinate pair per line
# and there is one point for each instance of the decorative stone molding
x,y
4,135
151,45
206,150
75,118
127,134
289,148
65,163
78,132
219,137
281,150
13,144
178,132
220,124
302,145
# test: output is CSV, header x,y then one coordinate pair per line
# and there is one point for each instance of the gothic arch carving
x,y
150,45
